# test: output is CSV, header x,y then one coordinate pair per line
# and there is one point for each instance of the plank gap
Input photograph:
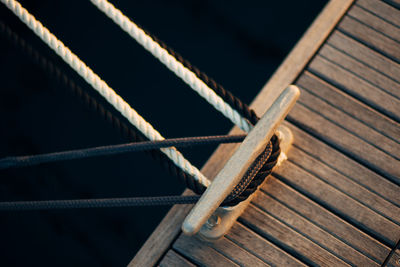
x,y
307,228
335,146
261,247
339,214
173,258
361,70
375,22
393,3
392,154
365,92
352,189
382,9
287,239
371,11
381,48
350,106
316,206
345,166
371,128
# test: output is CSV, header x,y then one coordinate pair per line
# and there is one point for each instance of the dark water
x,y
238,43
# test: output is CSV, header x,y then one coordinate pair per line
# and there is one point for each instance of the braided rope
x,y
127,131
97,203
31,160
100,86
172,63
225,94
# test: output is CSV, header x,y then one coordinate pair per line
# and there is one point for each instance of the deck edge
x,y
169,228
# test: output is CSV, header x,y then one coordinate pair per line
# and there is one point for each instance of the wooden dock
x,y
336,201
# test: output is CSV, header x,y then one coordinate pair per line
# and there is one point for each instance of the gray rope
x,y
97,203
23,161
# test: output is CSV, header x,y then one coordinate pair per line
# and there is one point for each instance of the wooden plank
x,y
394,3
153,249
174,259
346,142
356,87
338,202
306,228
160,240
301,53
350,105
371,38
293,242
366,55
374,77
237,254
346,166
261,247
326,220
351,124
395,259
236,167
384,11
387,28
345,185
200,253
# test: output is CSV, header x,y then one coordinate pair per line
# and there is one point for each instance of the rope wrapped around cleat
x,y
223,100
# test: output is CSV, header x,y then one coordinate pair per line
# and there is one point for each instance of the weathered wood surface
x,y
394,3
336,201
370,37
382,10
395,259
233,171
174,259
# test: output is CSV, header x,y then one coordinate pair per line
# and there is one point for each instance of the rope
x,y
97,203
100,86
253,178
197,80
32,160
129,132
256,174
201,83
172,63
226,95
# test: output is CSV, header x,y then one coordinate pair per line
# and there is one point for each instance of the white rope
x,y
99,85
171,63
